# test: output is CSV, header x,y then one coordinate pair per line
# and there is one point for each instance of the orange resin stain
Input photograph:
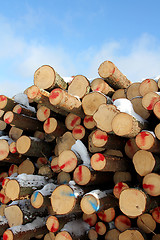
x,y
74,121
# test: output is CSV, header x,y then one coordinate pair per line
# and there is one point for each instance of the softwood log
x,y
26,167
151,184
92,234
63,178
64,142
91,219
131,148
120,93
156,109
19,109
148,85
89,122
98,84
133,90
67,161
107,215
112,234
54,165
3,125
149,99
23,185
100,228
43,113
146,223
49,236
131,234
33,147
118,188
27,231
112,75
13,169
15,133
92,101
139,109
122,223
54,127
79,86
122,177
12,147
79,132
156,214
45,77
63,100
72,120
6,104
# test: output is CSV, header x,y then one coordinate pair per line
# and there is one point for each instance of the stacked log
x,y
81,160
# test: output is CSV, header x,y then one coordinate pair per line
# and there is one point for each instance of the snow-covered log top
x,y
125,105
77,190
22,99
7,138
76,227
3,220
37,223
47,189
29,180
98,194
81,151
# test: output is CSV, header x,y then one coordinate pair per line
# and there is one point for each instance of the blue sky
x,y
75,37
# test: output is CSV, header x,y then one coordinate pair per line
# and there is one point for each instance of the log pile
x,y
80,160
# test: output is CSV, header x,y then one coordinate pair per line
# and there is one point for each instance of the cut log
x,y
108,163
40,135
97,200
26,231
89,122
122,177
3,225
40,198
3,125
112,75
120,93
12,147
112,234
61,99
43,113
107,215
13,169
131,234
24,212
100,228
54,127
131,148
4,149
64,142
91,219
92,234
122,223
24,110
22,122
126,125
72,120
23,185
3,175
26,167
157,131
151,184
45,77
91,147
145,162
139,109
41,161
149,100
118,188
104,116
156,237
79,86
92,101
133,90
15,133
156,109
79,132
148,85
49,236
33,147
54,165
98,84
146,223
63,178
132,202
67,161
156,214
3,197
46,171
6,104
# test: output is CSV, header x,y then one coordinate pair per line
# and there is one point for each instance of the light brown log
x,y
6,104
91,147
41,96
23,185
13,169
112,75
148,85
64,142
79,132
92,234
107,215
126,125
26,167
92,101
145,162
67,161
104,116
156,237
132,202
97,200
146,223
4,149
108,141
122,177
46,77
40,135
120,93
15,133
112,234
43,113
63,100
79,86
98,84
156,109
72,120
3,197
118,188
91,219
139,109
157,131
46,171
2,207
63,178
83,175
49,236
54,127
131,148
12,147
19,109
3,125
149,100
27,231
151,184
131,234
89,122
22,122
100,228
156,214
122,223
33,147
133,90
41,161
108,163
54,165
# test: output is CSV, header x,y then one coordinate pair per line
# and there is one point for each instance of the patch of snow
x,y
76,227
22,98
47,189
81,151
77,190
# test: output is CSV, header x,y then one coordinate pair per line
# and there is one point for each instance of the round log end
x,y
37,199
99,138
107,215
8,117
23,144
4,149
50,125
52,224
63,235
3,101
78,132
55,96
82,175
12,189
67,161
98,161
89,204
8,235
122,124
89,122
106,69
